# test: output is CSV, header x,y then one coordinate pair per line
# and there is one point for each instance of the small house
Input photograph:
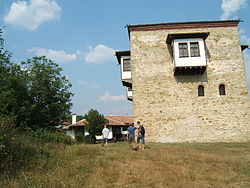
x,y
117,126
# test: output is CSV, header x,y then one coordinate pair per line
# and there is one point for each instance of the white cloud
x,y
93,85
98,54
124,110
31,15
83,83
108,97
230,7
55,55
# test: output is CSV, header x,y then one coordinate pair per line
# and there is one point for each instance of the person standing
x,y
105,134
136,133
131,135
141,136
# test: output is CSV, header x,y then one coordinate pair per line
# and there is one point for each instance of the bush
x,y
80,138
13,153
87,139
45,135
20,146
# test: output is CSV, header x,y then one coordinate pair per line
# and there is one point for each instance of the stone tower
x,y
188,81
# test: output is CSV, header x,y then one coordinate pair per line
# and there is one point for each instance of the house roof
x,y
66,123
80,123
113,121
243,47
183,25
119,120
171,37
119,54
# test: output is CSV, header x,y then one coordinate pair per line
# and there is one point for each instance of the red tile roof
x,y
113,121
80,123
119,120
66,123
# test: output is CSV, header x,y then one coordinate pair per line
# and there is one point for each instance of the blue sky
x,y
82,36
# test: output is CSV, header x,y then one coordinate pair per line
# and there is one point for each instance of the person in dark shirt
x,y
141,134
131,135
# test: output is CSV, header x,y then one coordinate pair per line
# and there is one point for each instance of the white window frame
x,y
125,75
189,61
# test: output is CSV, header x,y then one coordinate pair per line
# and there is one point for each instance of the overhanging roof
x,y
243,47
186,35
119,54
184,25
113,121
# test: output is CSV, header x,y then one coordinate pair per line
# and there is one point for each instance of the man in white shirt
x,y
105,134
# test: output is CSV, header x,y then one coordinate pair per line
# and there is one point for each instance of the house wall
x,y
169,106
110,136
71,133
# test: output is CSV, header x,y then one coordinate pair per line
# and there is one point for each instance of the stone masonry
x,y
169,106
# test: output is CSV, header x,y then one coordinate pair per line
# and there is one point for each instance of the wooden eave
x,y
171,37
126,83
243,47
183,25
120,54
130,99
182,71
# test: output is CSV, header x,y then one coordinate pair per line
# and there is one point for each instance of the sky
x,y
83,35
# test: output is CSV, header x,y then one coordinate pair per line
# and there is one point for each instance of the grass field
x,y
159,165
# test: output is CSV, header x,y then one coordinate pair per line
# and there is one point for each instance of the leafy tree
x,y
50,98
95,124
13,88
68,118
33,93
79,117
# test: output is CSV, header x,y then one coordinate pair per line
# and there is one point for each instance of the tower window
x,y
183,49
126,65
194,49
201,90
222,89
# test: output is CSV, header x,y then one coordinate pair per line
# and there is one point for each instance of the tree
x,y
79,118
68,118
33,93
95,123
13,88
48,90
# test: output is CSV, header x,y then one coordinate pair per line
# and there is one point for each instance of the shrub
x,y
13,153
88,139
85,139
46,135
21,148
80,138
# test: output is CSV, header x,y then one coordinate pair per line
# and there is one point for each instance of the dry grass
x,y
160,165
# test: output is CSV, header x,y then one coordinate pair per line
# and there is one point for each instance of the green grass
x,y
159,165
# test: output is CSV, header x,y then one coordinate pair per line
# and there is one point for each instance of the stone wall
x,y
169,106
